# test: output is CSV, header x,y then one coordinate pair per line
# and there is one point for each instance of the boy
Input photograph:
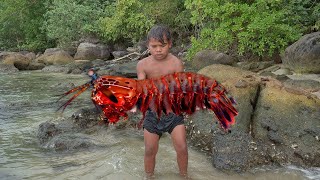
x,y
161,62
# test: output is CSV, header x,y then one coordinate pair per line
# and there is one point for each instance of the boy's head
x,y
160,33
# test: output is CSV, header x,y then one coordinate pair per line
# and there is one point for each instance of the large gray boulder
x,y
90,51
304,55
207,57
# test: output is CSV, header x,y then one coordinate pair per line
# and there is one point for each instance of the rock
x,y
118,54
64,142
35,66
274,124
4,54
208,57
242,85
77,132
125,70
204,131
64,135
75,67
232,151
46,131
85,118
283,119
89,51
282,71
20,61
54,56
304,55
223,73
302,85
275,137
276,71
30,55
98,63
8,68
79,67
255,66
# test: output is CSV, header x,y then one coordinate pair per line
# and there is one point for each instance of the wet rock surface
x,y
277,124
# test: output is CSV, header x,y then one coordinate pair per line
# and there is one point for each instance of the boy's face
x,y
159,50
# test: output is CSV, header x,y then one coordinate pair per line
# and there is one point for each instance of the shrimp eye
x,y
110,95
113,98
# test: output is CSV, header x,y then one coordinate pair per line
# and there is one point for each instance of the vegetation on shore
x,y
236,27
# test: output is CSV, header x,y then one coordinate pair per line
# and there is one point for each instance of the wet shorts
x,y
166,124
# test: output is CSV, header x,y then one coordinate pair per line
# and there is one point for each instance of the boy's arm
x,y
140,71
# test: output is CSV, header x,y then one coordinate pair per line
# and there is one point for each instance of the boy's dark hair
x,y
159,32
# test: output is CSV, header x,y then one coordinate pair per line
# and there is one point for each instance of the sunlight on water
x,y
28,99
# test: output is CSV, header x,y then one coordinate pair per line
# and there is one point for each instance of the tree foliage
x,y
237,27
125,20
258,27
21,22
131,19
171,13
68,21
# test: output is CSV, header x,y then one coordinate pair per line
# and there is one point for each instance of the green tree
x,y
238,27
306,13
68,21
130,20
21,22
125,21
171,13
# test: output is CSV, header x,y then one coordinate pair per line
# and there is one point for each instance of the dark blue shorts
x,y
166,124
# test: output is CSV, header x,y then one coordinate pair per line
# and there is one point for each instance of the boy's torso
x,y
154,68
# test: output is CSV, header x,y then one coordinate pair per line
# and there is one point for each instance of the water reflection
x,y
27,99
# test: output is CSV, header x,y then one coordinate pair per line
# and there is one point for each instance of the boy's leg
x,y
178,136
151,142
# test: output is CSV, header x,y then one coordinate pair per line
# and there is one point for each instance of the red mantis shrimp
x,y
182,92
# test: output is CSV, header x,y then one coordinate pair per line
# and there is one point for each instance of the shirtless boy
x,y
162,62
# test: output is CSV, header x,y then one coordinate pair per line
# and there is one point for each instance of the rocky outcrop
x,y
207,57
255,66
75,132
54,56
18,60
304,55
288,122
125,69
68,134
277,123
90,51
8,68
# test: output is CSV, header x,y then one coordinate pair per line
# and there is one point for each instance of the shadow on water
x,y
28,99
